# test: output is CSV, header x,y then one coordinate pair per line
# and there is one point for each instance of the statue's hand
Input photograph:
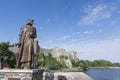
x,y
19,44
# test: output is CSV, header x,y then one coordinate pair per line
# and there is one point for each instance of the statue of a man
x,y
25,56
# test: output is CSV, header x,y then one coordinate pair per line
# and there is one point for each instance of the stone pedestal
x,y
71,76
21,74
65,76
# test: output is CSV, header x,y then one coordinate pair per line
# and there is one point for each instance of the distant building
x,y
56,52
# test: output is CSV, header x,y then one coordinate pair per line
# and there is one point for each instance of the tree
x,y
116,64
84,64
51,62
40,59
101,63
75,63
62,60
6,57
47,62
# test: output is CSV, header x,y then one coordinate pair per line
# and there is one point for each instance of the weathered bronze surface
x,y
25,56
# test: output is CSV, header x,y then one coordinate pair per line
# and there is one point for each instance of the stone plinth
x,y
36,74
21,74
71,76
65,76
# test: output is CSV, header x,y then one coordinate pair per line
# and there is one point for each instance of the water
x,y
104,74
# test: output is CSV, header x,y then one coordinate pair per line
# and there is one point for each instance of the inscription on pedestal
x,y
13,78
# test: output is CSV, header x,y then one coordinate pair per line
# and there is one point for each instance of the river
x,y
104,73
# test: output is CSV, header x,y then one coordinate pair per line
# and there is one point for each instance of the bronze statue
x,y
25,56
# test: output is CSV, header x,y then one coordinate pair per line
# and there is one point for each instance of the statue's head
x,y
30,21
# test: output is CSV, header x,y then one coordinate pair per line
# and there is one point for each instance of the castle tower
x,y
36,46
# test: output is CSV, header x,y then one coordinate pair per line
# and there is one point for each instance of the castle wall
x,y
56,52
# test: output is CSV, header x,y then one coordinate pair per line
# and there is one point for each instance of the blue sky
x,y
90,27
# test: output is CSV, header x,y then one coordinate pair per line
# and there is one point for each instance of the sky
x,y
89,27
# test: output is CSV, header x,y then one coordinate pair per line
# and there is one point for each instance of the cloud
x,y
95,14
68,39
69,36
49,41
76,33
91,50
74,36
63,38
87,32
88,43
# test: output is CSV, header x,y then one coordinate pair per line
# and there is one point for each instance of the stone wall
x,y
56,52
36,74
65,76
21,74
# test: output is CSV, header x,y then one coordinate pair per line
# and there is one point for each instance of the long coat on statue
x,y
25,57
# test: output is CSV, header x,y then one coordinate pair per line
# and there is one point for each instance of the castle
x,y
56,52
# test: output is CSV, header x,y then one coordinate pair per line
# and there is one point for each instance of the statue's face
x,y
30,21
